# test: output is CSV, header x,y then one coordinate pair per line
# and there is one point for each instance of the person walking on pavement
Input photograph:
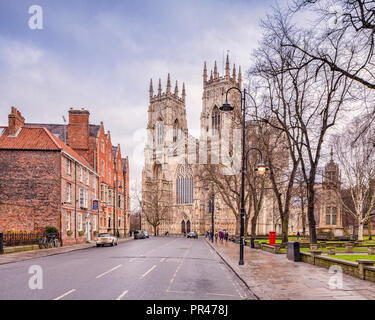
x,y
298,235
216,235
226,235
221,234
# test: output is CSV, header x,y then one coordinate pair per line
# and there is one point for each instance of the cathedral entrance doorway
x,y
188,226
183,226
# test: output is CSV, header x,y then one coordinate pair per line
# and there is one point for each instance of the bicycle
x,y
49,240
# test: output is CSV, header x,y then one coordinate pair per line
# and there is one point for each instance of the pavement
x,y
274,277
167,268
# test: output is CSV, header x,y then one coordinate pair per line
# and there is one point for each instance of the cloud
x,y
102,58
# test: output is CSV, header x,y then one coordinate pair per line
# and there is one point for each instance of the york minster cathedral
x,y
174,158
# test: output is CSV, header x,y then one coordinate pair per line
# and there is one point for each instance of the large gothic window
x,y
159,132
216,120
184,185
175,131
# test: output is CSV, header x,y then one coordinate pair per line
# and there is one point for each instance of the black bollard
x,y
1,243
252,242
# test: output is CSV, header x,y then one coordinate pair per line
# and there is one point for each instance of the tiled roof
x,y
28,139
34,138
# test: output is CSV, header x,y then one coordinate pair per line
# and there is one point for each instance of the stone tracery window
x,y
331,215
216,120
184,185
160,132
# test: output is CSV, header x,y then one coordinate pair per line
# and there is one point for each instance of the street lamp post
x,y
261,168
211,208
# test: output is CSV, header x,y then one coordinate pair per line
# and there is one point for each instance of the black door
x,y
183,226
188,226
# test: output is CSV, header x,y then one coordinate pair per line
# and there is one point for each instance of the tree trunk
x,y
254,226
369,228
310,214
284,229
360,229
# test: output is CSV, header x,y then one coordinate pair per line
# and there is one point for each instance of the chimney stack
x,y
15,121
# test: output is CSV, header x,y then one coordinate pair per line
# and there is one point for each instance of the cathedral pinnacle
x,y
215,71
204,73
151,90
169,84
227,69
234,73
159,88
183,91
176,89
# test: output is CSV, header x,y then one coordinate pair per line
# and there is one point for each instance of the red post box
x,y
272,238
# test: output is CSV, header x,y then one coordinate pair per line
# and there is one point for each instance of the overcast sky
x,y
101,54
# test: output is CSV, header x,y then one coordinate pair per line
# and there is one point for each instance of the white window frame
x,y
87,177
68,167
68,192
80,174
79,220
68,220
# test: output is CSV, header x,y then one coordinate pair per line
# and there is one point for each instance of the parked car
x,y
139,234
146,234
106,238
192,235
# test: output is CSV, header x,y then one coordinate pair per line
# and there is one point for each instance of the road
x,y
165,268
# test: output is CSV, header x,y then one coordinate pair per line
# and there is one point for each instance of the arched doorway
x,y
188,226
183,226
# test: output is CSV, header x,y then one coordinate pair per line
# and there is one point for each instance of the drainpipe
x,y
75,200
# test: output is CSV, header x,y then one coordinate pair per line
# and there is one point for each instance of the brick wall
x,y
30,195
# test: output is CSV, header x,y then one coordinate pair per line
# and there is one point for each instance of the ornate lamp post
x,y
261,168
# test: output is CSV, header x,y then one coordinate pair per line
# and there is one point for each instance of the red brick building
x,y
44,182
95,145
70,177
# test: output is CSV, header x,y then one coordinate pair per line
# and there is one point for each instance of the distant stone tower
x,y
330,207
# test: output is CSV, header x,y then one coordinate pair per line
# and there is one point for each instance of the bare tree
x,y
155,204
304,97
343,28
357,163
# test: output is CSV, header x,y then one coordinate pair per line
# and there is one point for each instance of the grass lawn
x,y
353,257
364,250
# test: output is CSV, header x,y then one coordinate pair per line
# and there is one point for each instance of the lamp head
x,y
226,106
261,168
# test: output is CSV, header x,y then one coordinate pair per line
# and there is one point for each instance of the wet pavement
x,y
274,277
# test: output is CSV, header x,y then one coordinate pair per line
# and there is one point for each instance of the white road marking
x,y
124,293
65,294
162,259
180,291
131,260
147,272
103,274
222,294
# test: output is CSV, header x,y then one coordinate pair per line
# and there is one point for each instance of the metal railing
x,y
20,239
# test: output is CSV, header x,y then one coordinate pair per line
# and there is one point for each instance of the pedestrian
x,y
221,234
216,235
298,235
226,235
130,233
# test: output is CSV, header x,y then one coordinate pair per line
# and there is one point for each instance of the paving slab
x,y
274,277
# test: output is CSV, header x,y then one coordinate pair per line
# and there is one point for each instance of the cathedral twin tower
x,y
178,180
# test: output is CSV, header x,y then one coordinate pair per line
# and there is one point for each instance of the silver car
x,y
106,238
